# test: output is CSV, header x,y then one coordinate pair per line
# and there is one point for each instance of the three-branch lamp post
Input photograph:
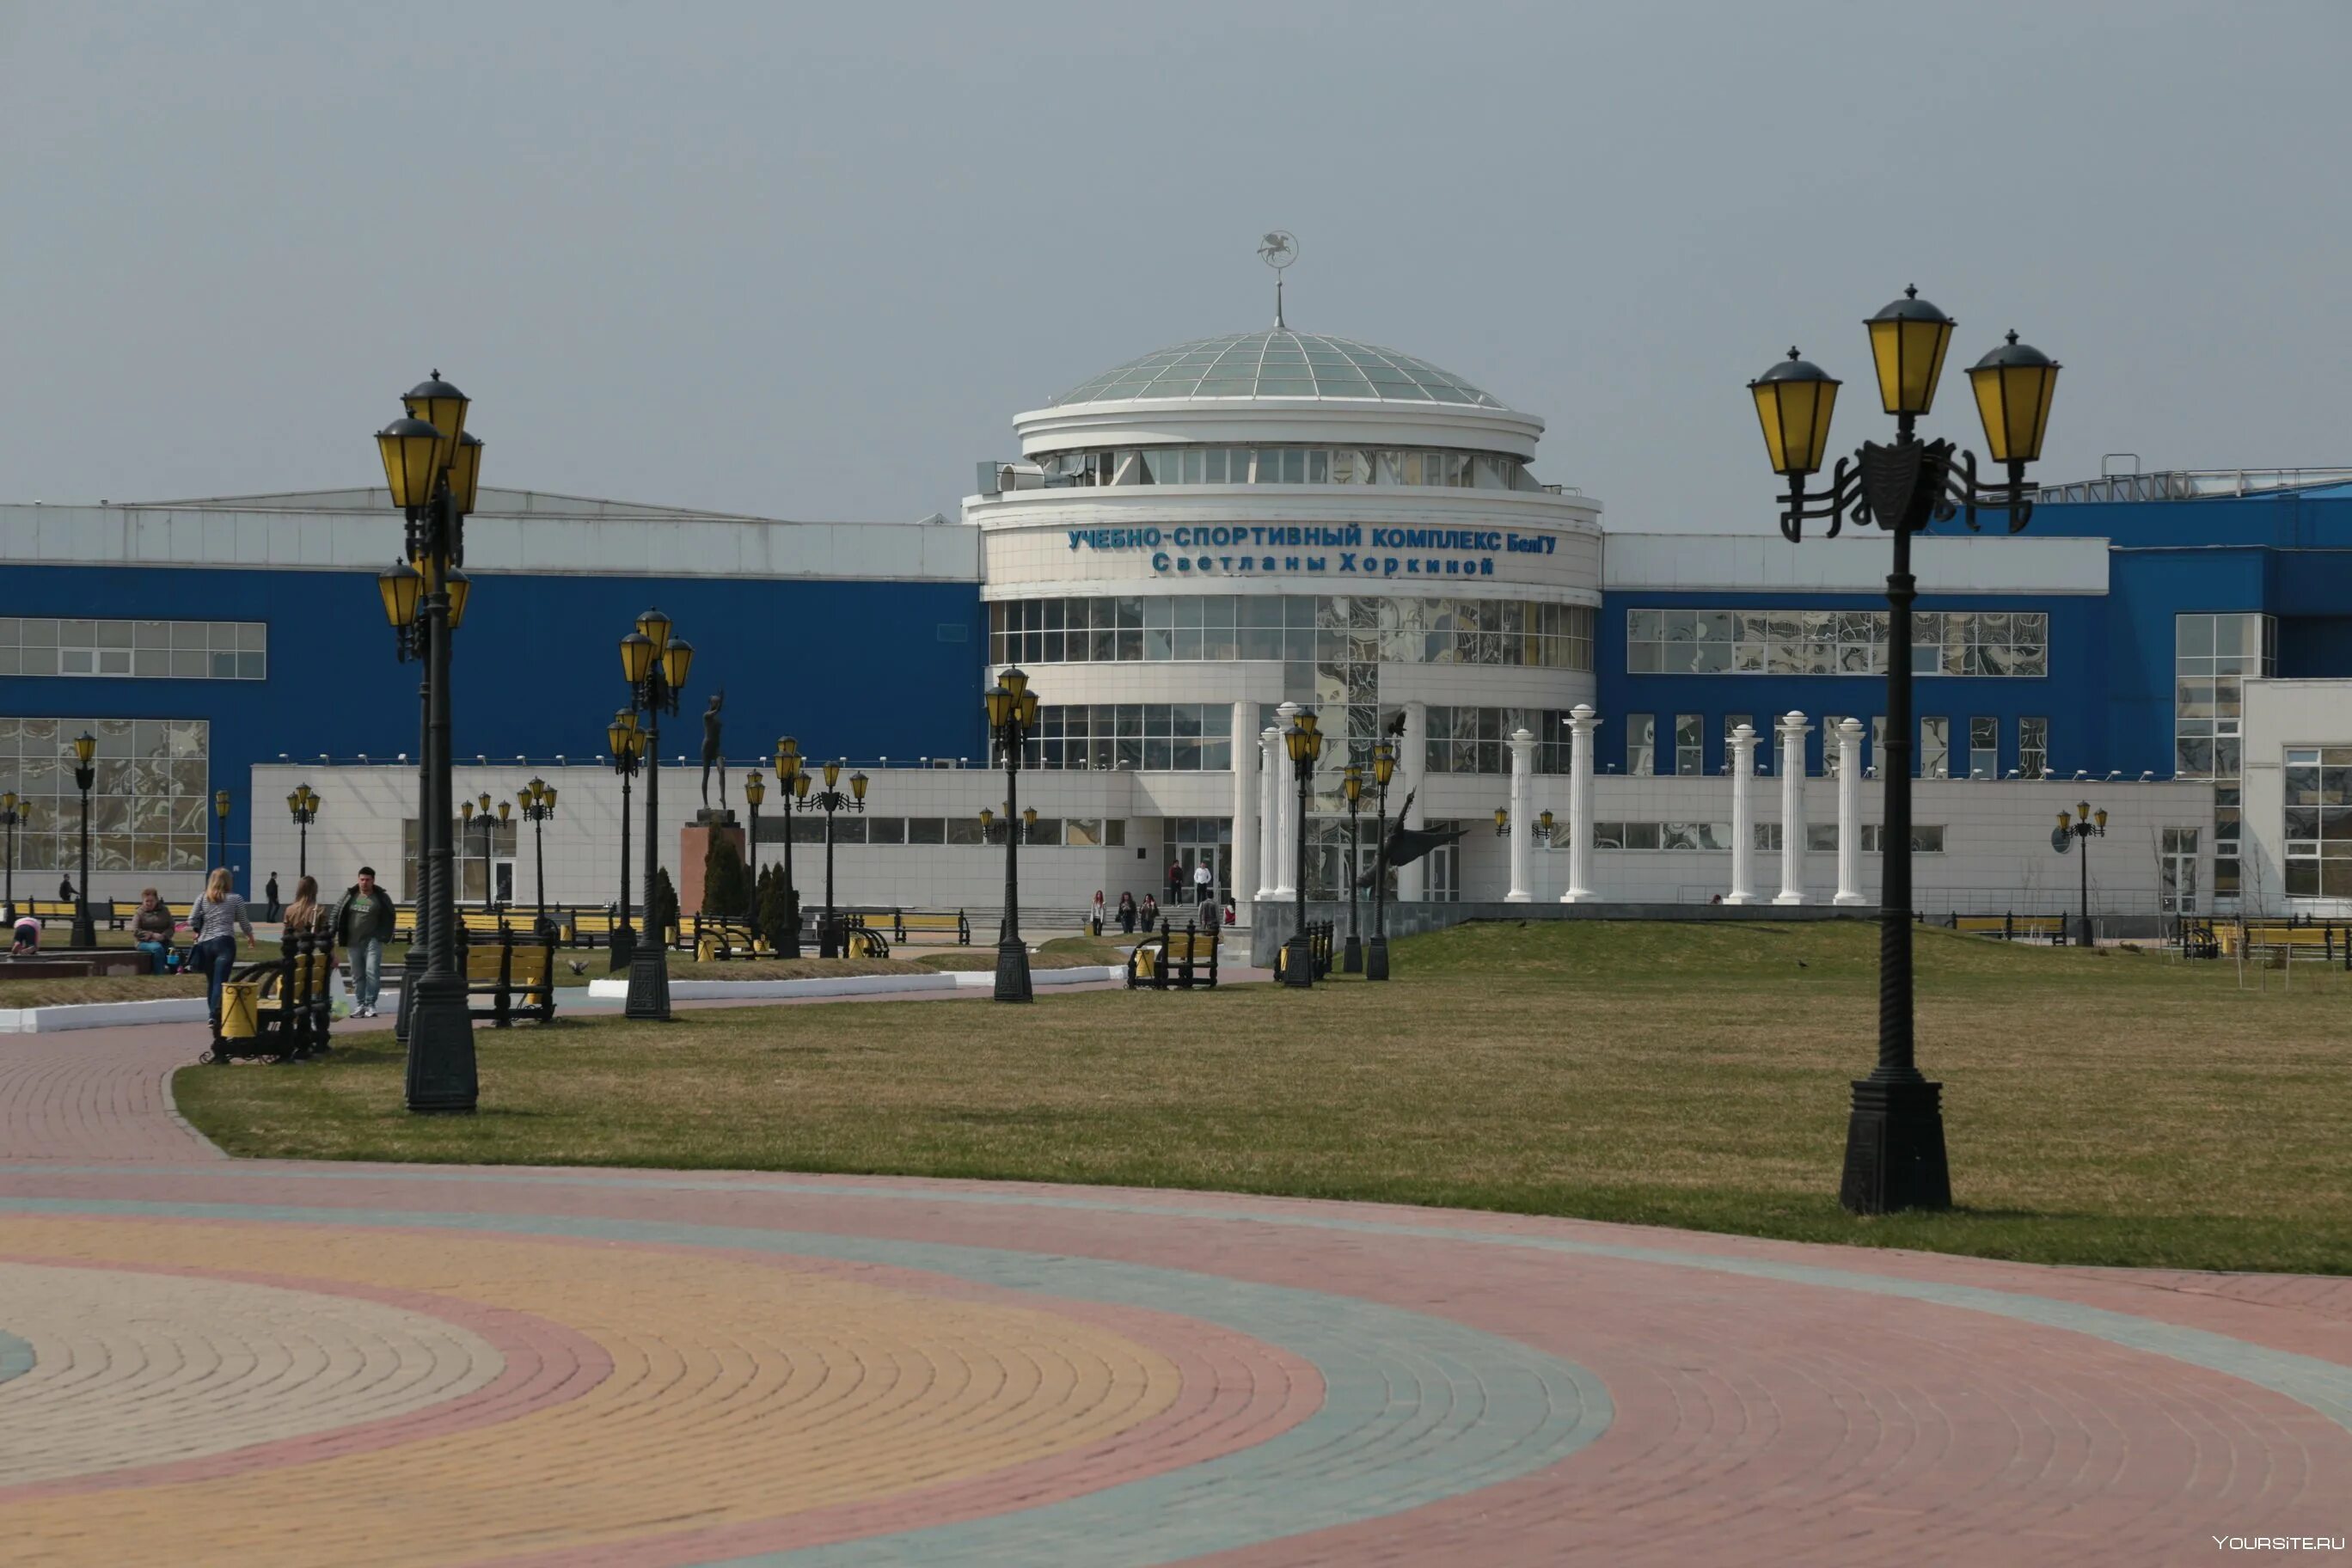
x,y
832,798
1894,1134
1011,720
791,788
628,744
85,774
220,813
1376,955
656,665
755,790
433,468
1305,742
303,804
2078,828
15,811
537,800
1351,783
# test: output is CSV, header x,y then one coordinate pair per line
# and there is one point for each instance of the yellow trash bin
x,y
240,1009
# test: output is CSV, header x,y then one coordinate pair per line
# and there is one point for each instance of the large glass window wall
x,y
145,650
1101,737
1363,629
2318,831
1832,642
1288,465
2212,657
1477,740
149,809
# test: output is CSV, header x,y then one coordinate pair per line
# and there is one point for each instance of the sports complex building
x,y
1178,548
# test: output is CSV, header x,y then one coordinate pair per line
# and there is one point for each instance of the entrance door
x,y
2177,889
1442,880
503,881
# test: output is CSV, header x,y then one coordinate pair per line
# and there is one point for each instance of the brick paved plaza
x,y
204,1361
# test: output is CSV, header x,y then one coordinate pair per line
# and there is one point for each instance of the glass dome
x,y
1278,363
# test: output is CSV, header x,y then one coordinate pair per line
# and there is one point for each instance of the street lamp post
x,y
656,665
629,744
220,814
15,813
433,468
1011,720
830,800
84,930
1305,746
537,799
1894,1135
755,790
2080,827
1351,783
1376,959
791,788
304,805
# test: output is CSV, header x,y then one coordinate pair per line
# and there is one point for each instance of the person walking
x,y
1127,913
216,918
1175,881
1150,912
271,909
1094,916
150,929
363,922
65,890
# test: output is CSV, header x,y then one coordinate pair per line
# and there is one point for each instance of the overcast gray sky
x,y
806,261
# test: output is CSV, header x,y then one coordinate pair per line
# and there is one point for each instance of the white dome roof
x,y
1278,363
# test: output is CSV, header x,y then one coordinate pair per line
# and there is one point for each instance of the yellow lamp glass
x,y
401,587
1000,703
466,810
466,472
1544,821
754,789
533,790
2014,385
1353,783
800,786
858,786
832,774
617,735
1907,340
411,452
2083,810
1016,680
546,797
1029,815
1028,710
1383,762
636,658
294,800
655,625
2065,817
461,588
85,746
678,662
506,810
2101,818
439,404
1794,401
987,818
1502,817
220,803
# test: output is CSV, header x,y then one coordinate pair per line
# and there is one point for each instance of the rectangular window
x,y
2316,833
1640,744
1355,630
2032,747
2214,656
1768,837
1874,761
1934,748
927,830
1925,840
1832,642
151,651
886,830
1690,744
1984,748
1829,755
150,806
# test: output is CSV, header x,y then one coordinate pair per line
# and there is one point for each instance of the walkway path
x,y
205,1361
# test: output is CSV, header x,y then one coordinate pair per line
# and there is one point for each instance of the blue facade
x,y
851,669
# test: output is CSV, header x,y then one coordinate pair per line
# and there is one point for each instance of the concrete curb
x,y
852,984
103,1015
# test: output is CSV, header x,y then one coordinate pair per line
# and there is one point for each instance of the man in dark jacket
x,y
364,917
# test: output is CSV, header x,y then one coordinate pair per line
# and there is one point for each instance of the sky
x,y
808,261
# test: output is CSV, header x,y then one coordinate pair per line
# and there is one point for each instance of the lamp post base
x,y
2082,926
1298,961
648,985
411,975
828,937
1012,971
1895,1148
1351,956
85,929
440,1075
1376,959
623,946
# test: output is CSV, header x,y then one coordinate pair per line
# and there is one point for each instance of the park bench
x,y
2323,941
2013,928
717,939
1318,950
858,938
511,977
280,1008
2197,940
1186,960
586,928
49,911
911,926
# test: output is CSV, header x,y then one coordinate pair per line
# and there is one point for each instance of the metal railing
x,y
2190,484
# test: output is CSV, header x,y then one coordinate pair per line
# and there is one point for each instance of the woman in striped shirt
x,y
216,918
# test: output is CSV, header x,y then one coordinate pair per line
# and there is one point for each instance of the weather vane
x,y
1278,249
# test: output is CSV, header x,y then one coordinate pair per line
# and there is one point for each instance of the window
x,y
1184,737
1934,748
2032,747
927,830
2319,823
1690,744
1830,756
1984,748
1768,836
2212,657
1295,629
1663,836
1832,642
886,830
150,804
1640,744
1927,840
146,650
1877,743
2228,807
2177,871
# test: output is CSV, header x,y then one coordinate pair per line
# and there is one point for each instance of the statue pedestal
x,y
693,846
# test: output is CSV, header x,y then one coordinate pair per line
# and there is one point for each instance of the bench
x,y
511,977
2323,941
280,1008
48,911
2013,928
951,929
2197,940
586,928
717,939
1318,951
1186,960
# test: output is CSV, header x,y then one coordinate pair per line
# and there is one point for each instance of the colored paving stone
x,y
212,1361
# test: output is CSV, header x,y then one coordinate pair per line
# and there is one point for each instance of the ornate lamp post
x,y
1305,746
1501,822
755,790
432,469
629,744
1895,1136
1376,960
220,814
15,813
791,788
537,800
1351,783
85,746
829,800
656,665
1011,720
304,805
2081,826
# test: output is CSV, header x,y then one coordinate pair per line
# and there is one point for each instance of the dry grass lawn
x,y
2101,1107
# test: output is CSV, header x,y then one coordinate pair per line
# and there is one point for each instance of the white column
x,y
1849,745
1285,800
1523,829
1412,753
1582,727
1269,818
1743,816
1793,731
1247,795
